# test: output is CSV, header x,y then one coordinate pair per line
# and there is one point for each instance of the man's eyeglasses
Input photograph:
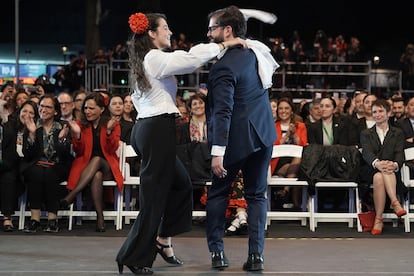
x,y
213,28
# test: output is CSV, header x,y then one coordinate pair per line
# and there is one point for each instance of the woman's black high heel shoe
x,y
120,268
136,270
100,225
172,259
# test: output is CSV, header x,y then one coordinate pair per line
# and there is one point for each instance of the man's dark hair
x,y
231,16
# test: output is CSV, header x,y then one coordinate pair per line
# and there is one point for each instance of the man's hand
x,y
217,167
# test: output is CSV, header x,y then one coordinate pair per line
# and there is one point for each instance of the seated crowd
x,y
74,138
65,138
377,127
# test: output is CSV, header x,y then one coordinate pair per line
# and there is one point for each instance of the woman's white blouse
x,y
161,68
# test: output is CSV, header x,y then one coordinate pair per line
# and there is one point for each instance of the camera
x,y
32,89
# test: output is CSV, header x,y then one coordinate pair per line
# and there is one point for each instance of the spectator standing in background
x,y
407,67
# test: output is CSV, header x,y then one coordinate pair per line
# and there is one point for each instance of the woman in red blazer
x,y
95,140
289,131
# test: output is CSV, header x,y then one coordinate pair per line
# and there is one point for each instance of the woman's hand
x,y
292,129
75,128
385,166
234,42
111,124
30,124
31,127
63,134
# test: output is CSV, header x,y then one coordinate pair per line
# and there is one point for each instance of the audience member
x,y
289,131
237,208
47,157
192,148
367,121
407,67
8,90
127,122
100,57
45,83
95,140
66,106
382,151
356,110
273,105
11,181
18,99
128,119
397,110
314,112
331,130
35,98
78,97
406,124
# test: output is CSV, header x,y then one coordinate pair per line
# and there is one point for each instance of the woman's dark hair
x,y
15,98
116,95
382,103
7,83
56,104
76,93
20,125
138,46
100,101
110,99
347,105
292,106
200,97
134,113
331,99
304,111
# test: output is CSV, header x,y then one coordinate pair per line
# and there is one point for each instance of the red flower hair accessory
x,y
138,23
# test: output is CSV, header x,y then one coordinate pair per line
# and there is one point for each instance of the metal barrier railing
x,y
292,77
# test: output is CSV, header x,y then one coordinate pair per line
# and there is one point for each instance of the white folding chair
x,y
201,213
108,214
23,213
130,182
409,183
287,150
335,216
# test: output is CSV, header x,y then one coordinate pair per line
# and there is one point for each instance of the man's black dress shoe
x,y
254,262
219,260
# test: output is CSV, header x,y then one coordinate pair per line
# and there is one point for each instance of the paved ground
x,y
290,249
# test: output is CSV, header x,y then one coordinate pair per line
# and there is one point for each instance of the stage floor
x,y
290,249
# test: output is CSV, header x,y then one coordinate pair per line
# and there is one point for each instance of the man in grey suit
x,y
241,133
